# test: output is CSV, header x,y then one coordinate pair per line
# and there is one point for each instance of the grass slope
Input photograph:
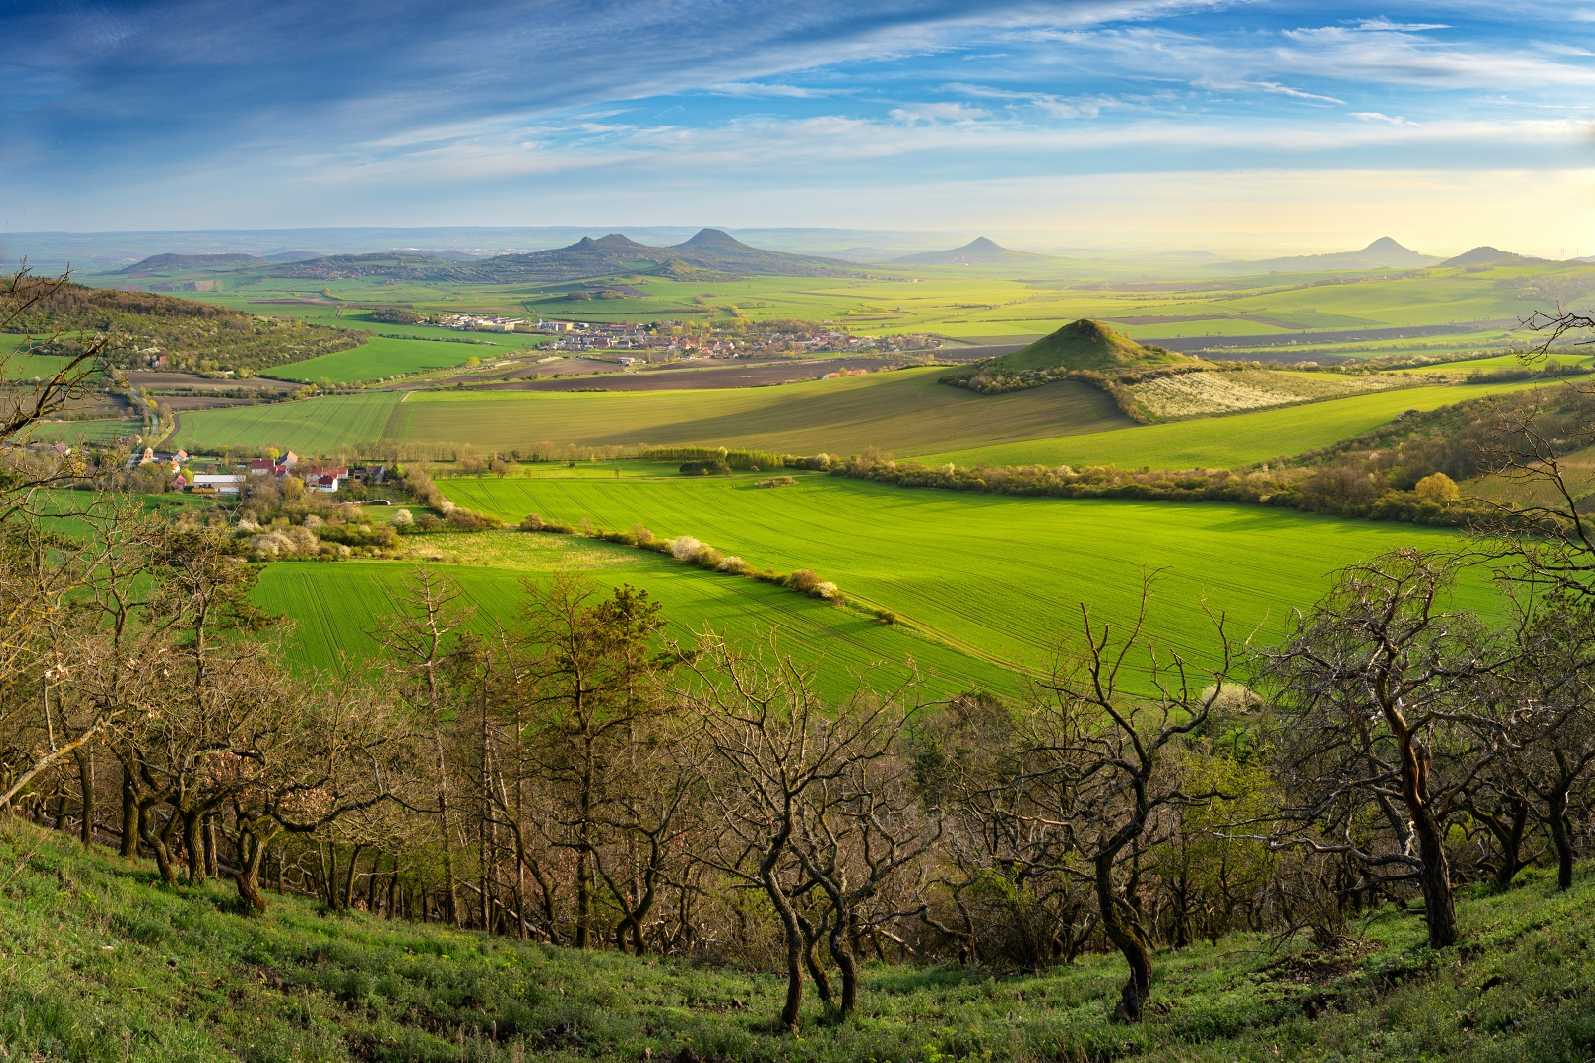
x,y
336,607
326,424
1225,442
899,411
103,964
384,356
1085,344
1001,576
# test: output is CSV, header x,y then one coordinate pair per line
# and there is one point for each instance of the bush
x,y
714,467
1437,487
686,548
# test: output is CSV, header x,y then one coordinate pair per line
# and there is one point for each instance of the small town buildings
x,y
207,483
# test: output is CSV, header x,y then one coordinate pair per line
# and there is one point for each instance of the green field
x,y
1002,577
1497,363
382,357
900,411
103,430
17,364
961,303
326,424
336,607
1226,442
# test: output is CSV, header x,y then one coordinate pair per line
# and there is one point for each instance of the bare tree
x,y
785,775
1105,771
1372,683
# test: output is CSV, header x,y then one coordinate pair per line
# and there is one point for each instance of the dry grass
x,y
1199,394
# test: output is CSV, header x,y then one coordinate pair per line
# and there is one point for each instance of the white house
x,y
217,483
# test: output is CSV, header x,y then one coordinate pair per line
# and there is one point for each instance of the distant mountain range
x,y
1383,253
156,265
710,251
980,251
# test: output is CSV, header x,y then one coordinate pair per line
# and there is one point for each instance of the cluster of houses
x,y
485,323
326,479
669,340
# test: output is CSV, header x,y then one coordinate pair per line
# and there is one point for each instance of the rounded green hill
x,y
1086,344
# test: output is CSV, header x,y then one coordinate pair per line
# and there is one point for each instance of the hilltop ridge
x,y
709,249
1088,345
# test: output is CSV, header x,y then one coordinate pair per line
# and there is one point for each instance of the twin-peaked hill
x,y
711,250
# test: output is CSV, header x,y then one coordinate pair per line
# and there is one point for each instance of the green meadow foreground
x,y
996,577
104,964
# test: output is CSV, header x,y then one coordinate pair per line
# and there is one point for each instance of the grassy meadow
x,y
1229,441
999,577
325,424
337,608
382,357
901,411
103,964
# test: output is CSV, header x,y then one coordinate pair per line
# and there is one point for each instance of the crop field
x,y
102,430
18,364
963,303
382,357
326,424
1496,364
336,608
1226,442
1002,577
893,411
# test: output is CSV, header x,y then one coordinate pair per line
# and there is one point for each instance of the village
x,y
667,340
183,473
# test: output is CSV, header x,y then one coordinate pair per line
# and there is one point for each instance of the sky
x,y
1126,124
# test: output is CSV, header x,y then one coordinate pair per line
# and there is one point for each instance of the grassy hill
x,y
1085,345
190,335
103,964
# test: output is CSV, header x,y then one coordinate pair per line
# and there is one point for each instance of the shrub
x,y
777,481
685,548
1437,487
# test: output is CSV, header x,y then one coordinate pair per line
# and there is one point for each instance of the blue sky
x,y
1131,123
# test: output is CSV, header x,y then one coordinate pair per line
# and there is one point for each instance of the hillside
x,y
180,263
709,249
106,965
1383,253
1487,257
1085,345
978,252
148,329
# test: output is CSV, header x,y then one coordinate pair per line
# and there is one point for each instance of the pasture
x,y
336,608
326,424
1001,577
900,411
382,357
1229,441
